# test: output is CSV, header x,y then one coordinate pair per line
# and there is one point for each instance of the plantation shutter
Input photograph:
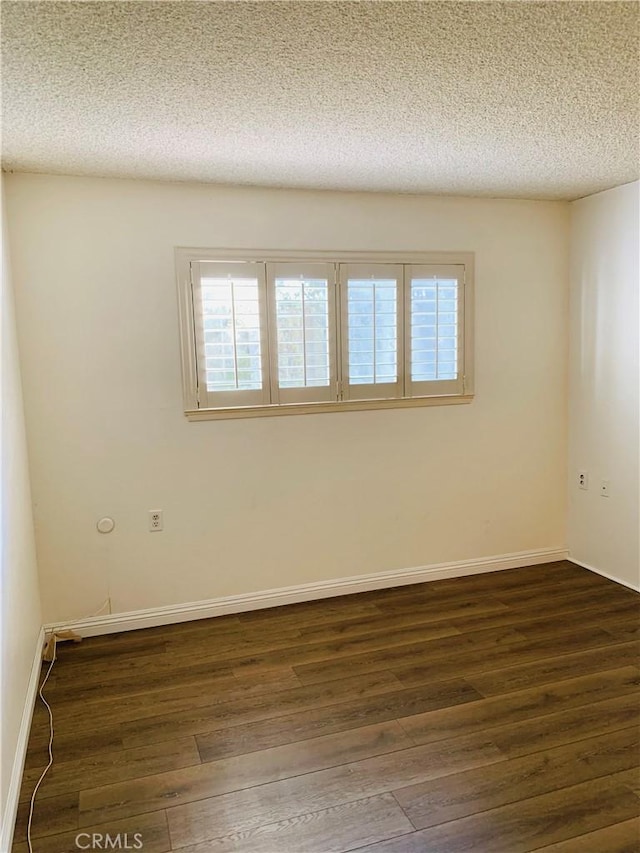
x,y
372,331
229,305
434,311
302,312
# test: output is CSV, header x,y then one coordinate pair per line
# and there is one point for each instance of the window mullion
x,y
402,325
342,375
304,331
267,340
235,331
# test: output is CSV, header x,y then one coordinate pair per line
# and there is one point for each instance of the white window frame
x,y
201,405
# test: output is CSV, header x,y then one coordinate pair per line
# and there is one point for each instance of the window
x,y
270,334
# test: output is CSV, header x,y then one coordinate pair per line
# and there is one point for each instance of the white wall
x,y
262,503
604,431
20,608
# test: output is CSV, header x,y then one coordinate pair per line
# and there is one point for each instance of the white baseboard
x,y
634,587
15,781
172,613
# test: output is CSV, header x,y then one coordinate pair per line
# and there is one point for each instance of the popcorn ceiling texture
x,y
534,100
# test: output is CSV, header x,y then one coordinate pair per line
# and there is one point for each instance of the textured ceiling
x,y
536,100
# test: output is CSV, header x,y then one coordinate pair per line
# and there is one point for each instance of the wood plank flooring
x,y
497,713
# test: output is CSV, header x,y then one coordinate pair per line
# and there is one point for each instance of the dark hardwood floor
x,y
496,713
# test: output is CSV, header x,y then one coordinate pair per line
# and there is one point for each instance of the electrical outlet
x,y
583,480
605,489
156,522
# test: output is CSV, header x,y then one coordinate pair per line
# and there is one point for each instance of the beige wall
x,y
262,503
604,431
20,609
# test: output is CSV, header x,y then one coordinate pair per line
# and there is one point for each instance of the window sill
x,y
321,408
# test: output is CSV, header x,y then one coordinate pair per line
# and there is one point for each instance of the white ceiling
x,y
535,100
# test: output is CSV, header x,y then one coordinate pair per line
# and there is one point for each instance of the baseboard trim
x,y
635,588
13,794
155,616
